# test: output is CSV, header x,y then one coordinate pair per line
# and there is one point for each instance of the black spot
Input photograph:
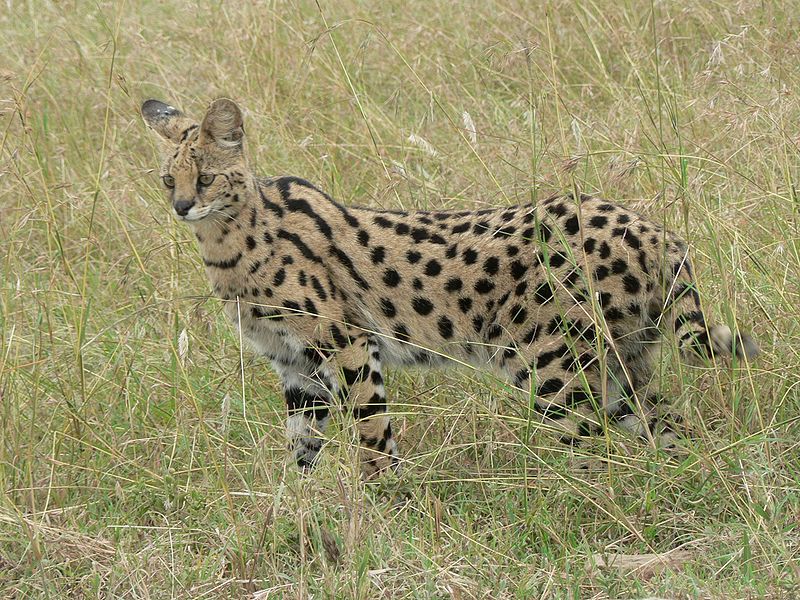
x,y
560,323
633,241
571,278
606,207
287,260
363,238
503,299
571,225
531,335
413,256
388,308
557,209
494,331
518,269
465,304
460,228
310,306
484,286
422,305
605,250
632,285
521,377
453,284
319,289
551,386
383,222
512,250
543,293
378,254
642,258
506,231
279,277
598,221
619,266
612,313
391,278
291,305
437,239
417,283
518,314
401,333
690,317
401,229
557,259
544,359
528,235
491,265
451,251
353,376
480,228
601,272
251,242
623,218
224,264
445,327
419,234
260,313
302,279
433,268
578,397
470,256
477,323
588,245
508,353
521,288
341,340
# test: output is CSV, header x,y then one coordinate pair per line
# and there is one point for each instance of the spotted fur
x,y
567,298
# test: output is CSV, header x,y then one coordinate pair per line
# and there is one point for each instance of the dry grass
x,y
131,470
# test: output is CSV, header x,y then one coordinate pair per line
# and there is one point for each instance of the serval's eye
x,y
205,179
169,181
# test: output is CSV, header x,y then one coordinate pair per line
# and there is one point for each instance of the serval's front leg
x,y
308,394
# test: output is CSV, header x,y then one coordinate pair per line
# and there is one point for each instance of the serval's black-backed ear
x,y
166,120
223,124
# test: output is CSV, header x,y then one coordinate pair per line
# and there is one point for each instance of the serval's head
x,y
204,169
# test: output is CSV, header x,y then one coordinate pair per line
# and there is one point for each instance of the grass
x,y
134,465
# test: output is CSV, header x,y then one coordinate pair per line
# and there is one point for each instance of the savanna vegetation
x,y
142,452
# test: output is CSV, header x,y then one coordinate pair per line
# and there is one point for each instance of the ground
x,y
141,446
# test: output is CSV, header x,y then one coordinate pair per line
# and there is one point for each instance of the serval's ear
x,y
166,120
223,124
